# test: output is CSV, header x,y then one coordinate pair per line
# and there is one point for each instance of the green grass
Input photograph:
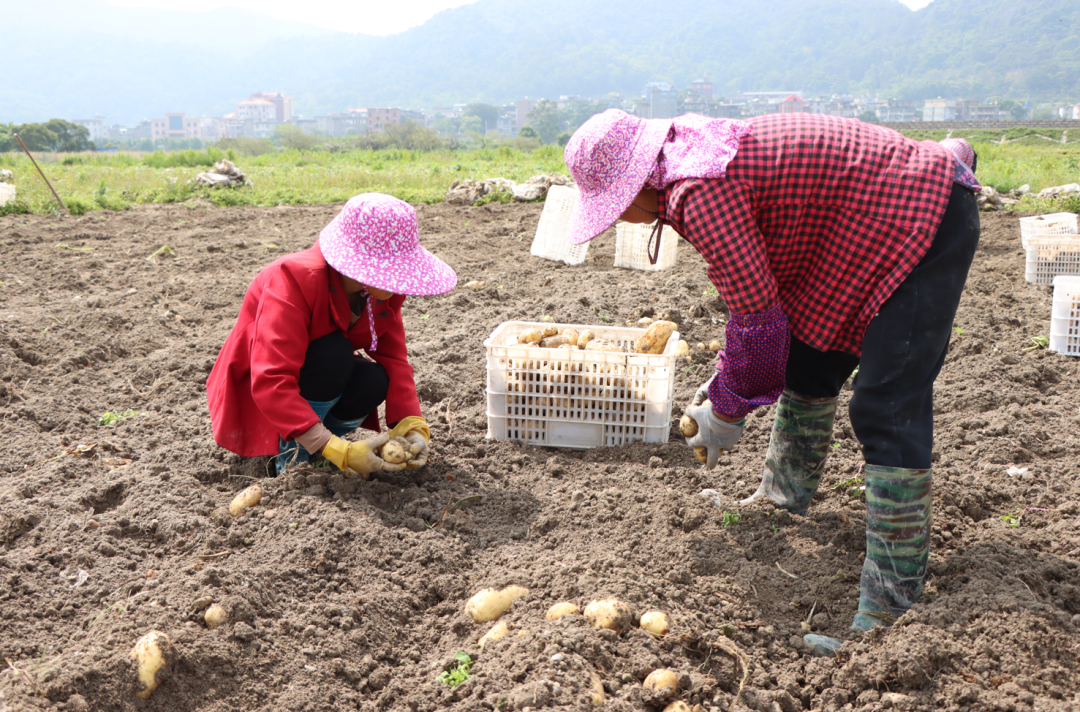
x,y
99,181
110,418
116,181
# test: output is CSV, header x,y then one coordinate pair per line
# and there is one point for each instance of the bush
x,y
186,159
245,146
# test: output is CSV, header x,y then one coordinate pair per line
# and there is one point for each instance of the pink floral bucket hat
x,y
610,156
376,241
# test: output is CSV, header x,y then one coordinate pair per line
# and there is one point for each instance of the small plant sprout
x,y
854,487
959,330
163,251
459,673
730,518
1037,342
65,246
1012,519
109,418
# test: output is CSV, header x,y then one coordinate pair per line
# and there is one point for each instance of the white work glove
x,y
713,434
702,393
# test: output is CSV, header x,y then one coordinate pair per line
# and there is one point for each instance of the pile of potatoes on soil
x,y
658,688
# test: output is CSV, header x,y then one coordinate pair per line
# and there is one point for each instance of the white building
x,y
96,126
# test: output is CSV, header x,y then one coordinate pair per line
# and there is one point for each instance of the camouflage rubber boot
x,y
798,447
898,513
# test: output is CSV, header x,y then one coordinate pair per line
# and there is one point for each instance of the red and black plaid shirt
x,y
822,215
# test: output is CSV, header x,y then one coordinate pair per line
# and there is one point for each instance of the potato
x,y
489,604
550,330
215,615
561,609
499,630
655,338
600,345
655,622
584,338
529,336
475,285
597,696
678,706
659,686
645,321
682,349
395,451
688,426
715,346
702,454
153,652
246,498
570,347
571,335
609,613
701,346
554,342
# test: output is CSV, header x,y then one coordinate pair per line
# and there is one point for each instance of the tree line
x,y
53,135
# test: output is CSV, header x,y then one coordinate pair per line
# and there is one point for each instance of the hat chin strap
x,y
368,299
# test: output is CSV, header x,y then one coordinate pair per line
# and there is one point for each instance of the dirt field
x,y
346,594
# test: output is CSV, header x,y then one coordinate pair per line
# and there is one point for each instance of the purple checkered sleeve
x,y
750,372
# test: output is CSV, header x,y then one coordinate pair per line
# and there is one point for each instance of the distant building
x,y
507,122
661,101
895,111
703,87
1069,112
96,126
283,105
257,110
794,104
524,106
959,110
174,125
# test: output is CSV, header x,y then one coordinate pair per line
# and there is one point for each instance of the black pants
x,y
892,411
331,369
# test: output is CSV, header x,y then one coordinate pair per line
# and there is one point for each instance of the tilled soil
x,y
348,594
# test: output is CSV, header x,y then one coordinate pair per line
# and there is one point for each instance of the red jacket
x,y
254,391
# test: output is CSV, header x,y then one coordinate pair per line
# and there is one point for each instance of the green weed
x,y
1012,519
1037,342
459,673
854,487
729,518
110,418
65,246
163,251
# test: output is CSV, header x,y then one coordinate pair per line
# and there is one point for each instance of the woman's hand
x,y
715,433
359,456
415,430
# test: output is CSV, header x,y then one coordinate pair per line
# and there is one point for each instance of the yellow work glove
x,y
414,429
359,456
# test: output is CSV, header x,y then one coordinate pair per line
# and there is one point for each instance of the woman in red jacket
x,y
834,244
288,381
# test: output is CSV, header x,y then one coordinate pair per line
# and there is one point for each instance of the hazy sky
x,y
374,18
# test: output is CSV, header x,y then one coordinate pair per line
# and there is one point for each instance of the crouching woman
x,y
320,343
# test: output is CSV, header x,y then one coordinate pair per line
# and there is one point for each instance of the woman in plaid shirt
x,y
835,244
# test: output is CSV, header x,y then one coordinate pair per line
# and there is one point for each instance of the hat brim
x,y
596,212
416,274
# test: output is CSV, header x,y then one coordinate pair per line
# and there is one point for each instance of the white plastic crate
x,y
1065,316
1051,255
632,247
7,193
1050,224
552,241
576,398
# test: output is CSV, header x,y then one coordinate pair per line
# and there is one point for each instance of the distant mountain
x,y
129,63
